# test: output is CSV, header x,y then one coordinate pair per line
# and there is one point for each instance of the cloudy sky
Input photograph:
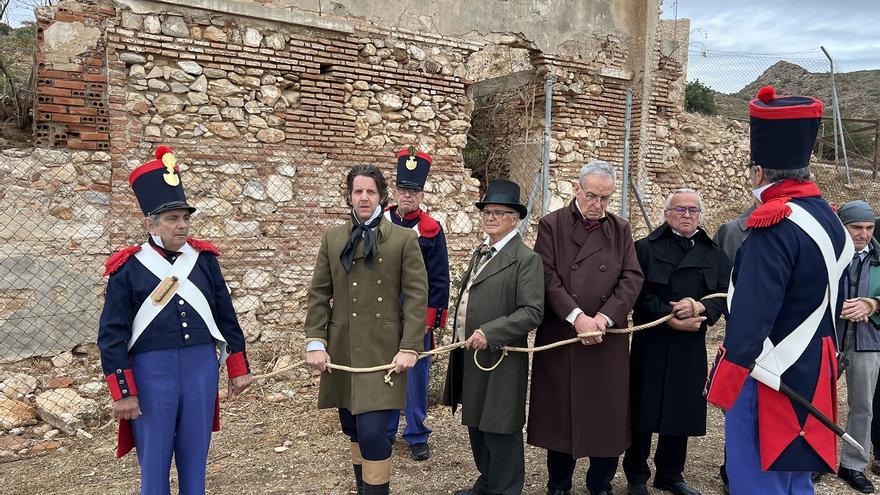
x,y
792,29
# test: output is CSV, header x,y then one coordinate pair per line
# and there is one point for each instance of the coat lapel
x,y
500,261
595,241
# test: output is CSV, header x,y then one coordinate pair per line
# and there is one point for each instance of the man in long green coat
x,y
501,300
366,308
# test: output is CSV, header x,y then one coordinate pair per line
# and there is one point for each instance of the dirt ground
x,y
244,459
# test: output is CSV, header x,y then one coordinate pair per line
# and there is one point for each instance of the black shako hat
x,y
412,168
783,129
157,184
503,192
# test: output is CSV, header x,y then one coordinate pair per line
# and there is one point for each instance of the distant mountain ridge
x,y
858,92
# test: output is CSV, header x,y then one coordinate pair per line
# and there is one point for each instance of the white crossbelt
x,y
776,359
414,227
161,268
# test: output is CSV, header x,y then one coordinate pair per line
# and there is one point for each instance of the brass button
x,y
380,260
354,300
602,268
378,315
122,382
354,284
184,324
378,282
801,433
186,337
574,296
125,391
379,299
119,371
183,314
180,302
354,315
574,266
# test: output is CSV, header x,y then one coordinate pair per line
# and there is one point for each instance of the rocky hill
x,y
859,92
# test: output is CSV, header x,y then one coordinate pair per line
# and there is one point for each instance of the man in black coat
x,y
668,362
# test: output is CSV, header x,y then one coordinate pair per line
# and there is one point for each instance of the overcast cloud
x,y
848,29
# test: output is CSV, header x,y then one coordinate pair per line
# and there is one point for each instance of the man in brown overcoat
x,y
579,405
366,308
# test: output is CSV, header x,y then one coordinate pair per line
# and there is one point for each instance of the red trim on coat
x,y
428,227
420,154
435,318
775,198
778,425
115,261
237,365
203,245
113,385
725,381
758,109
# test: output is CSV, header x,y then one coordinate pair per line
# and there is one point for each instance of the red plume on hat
x,y
766,94
161,150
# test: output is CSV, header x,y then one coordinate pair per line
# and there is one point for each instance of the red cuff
x,y
121,384
435,318
237,365
725,381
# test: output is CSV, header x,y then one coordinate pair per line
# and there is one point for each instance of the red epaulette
x,y
118,259
428,227
770,213
201,245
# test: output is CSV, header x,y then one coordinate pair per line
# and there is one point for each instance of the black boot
x,y
376,489
359,478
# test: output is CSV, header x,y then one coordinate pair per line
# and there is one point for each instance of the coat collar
x,y
741,220
701,256
504,258
589,242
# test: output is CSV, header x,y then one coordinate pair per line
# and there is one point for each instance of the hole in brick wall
x,y
95,94
77,94
102,128
102,111
60,136
96,87
88,120
45,82
327,68
661,111
103,146
102,120
44,99
97,104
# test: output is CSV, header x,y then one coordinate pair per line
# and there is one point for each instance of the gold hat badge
x,y
170,176
411,164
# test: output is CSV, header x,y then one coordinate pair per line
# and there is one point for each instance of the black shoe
x,y
856,480
816,477
557,491
601,492
636,489
466,491
420,451
676,487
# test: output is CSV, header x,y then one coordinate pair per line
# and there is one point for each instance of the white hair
x,y
683,190
598,167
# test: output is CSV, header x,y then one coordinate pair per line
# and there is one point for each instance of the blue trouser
x,y
368,431
177,394
744,456
416,409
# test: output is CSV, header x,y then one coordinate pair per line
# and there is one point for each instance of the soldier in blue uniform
x,y
167,313
412,172
784,297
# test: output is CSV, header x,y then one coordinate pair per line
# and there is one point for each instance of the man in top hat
x,y
784,299
412,172
366,308
500,301
167,313
579,404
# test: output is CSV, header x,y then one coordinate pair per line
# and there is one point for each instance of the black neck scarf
x,y
371,247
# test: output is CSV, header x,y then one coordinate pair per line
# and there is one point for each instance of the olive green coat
x,y
506,302
359,315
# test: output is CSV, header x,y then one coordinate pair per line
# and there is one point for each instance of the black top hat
x,y
503,192
783,129
157,184
412,168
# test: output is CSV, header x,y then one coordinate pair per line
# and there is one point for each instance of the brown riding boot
x,y
377,475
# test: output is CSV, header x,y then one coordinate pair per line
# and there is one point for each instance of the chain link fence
x,y
723,82
63,213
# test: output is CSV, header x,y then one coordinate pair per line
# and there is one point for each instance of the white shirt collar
x,y
157,240
865,250
503,242
376,213
759,191
679,233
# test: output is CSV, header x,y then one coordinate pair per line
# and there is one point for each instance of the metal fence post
x,y
624,192
548,115
838,124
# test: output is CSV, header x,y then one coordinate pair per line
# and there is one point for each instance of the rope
x,y
505,349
